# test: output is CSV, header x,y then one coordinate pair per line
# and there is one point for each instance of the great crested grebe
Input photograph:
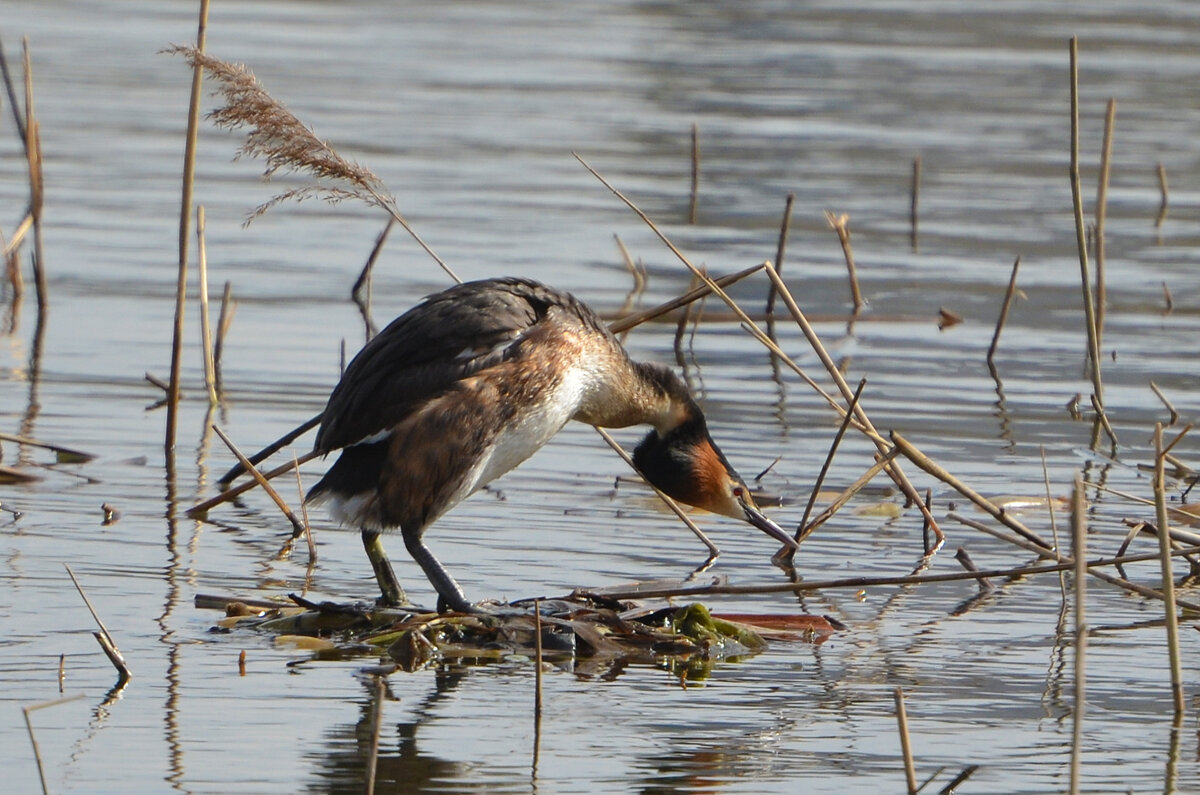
x,y
471,382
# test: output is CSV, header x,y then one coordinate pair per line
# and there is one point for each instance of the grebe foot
x,y
391,592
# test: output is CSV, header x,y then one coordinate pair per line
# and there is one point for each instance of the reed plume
x,y
287,144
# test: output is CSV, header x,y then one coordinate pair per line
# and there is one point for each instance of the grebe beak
x,y
760,520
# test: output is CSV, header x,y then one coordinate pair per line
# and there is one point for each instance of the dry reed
x,y
104,637
206,341
841,225
1089,309
1079,551
694,203
298,527
1162,190
1004,307
1102,215
185,216
780,249
915,203
910,772
1168,578
286,144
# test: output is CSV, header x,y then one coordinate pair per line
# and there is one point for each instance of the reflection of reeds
x,y
1079,551
910,771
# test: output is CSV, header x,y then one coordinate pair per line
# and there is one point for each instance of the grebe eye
x,y
738,492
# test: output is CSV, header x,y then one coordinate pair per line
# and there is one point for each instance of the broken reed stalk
x,y
1062,580
1102,215
1079,551
104,637
67,453
1168,577
928,465
360,293
623,324
670,503
224,321
1162,189
840,225
376,730
298,527
910,771
1174,414
206,343
693,205
1004,307
964,559
286,144
272,449
787,555
914,207
185,216
780,249
1089,309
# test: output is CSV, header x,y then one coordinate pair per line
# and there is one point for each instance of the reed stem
x,y
1004,307
910,771
1168,577
206,341
1102,215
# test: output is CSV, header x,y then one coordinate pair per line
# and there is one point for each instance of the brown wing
x,y
425,351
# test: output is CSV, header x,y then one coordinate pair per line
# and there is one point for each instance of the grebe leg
x,y
450,594
392,594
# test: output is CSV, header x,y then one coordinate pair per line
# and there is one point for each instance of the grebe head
x,y
685,463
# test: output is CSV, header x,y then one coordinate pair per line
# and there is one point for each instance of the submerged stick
x,y
376,730
1168,578
1004,307
910,772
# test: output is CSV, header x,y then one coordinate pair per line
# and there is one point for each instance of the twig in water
x,y
1089,309
927,464
1101,215
1079,550
104,637
63,454
206,343
914,207
298,527
224,321
840,225
1174,414
271,449
1004,307
848,494
1168,584
537,660
1162,189
1167,300
780,249
37,754
308,536
910,772
695,194
185,217
787,554
964,558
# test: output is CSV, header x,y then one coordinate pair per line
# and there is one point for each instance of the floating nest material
x,y
577,628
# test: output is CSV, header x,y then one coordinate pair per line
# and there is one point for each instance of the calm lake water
x,y
470,113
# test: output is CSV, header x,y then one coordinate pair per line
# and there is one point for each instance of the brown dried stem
x,y
298,527
1168,578
910,772
1004,307
841,225
1101,215
104,637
